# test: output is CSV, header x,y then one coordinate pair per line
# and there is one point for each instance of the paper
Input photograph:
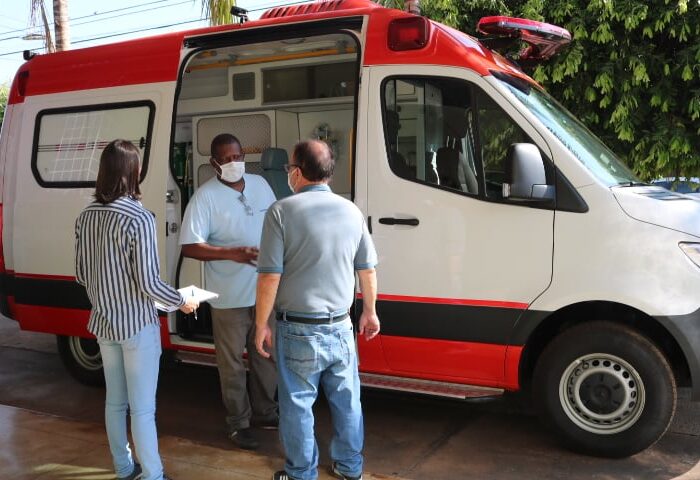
x,y
199,294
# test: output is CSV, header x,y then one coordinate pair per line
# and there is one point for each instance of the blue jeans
x,y
309,356
131,376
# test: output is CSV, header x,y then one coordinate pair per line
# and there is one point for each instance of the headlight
x,y
692,250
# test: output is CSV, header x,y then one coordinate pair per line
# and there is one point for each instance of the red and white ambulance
x,y
516,251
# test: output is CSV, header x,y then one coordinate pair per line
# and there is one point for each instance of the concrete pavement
x,y
44,447
406,436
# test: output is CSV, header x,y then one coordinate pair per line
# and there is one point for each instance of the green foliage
x,y
632,72
4,94
218,11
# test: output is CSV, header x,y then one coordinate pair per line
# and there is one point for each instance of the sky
x,y
91,19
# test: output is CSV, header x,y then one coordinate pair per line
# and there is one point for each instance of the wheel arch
x,y
567,317
82,359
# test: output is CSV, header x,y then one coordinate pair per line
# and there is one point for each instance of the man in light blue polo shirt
x,y
222,227
312,244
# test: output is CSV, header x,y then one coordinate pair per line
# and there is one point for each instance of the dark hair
x,y
315,159
118,175
223,139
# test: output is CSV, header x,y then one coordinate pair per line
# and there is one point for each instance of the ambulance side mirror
x,y
525,176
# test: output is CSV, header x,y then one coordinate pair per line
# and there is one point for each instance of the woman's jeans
x,y
309,356
131,376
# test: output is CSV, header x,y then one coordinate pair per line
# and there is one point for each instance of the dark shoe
x,y
334,471
165,477
281,475
266,423
134,474
244,439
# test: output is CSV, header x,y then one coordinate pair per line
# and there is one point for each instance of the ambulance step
x,y
428,387
196,358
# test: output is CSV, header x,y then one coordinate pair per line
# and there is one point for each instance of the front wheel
x,y
605,389
82,359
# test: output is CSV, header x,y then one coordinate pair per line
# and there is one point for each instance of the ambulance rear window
x,y
68,142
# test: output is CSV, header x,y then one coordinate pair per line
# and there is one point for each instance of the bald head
x,y
315,159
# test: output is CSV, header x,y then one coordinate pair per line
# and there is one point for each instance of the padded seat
x,y
273,161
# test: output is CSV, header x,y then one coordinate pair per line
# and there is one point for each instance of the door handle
x,y
170,228
413,222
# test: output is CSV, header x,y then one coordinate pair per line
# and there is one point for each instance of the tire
x,y
82,359
605,389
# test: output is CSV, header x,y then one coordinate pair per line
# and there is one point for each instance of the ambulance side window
x,y
68,142
497,131
426,124
448,134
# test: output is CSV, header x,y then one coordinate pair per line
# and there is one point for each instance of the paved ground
x,y
406,436
38,446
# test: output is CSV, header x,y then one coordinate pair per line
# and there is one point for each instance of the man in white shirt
x,y
222,227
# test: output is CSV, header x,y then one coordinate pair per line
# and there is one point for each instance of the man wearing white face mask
x,y
222,227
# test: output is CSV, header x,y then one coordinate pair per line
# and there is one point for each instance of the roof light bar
x,y
544,40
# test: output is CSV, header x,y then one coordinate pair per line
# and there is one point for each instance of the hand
x,y
190,305
369,325
247,255
263,336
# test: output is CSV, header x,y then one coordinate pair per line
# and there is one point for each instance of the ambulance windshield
x,y
589,150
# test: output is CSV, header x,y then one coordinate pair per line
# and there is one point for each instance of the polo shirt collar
x,y
319,187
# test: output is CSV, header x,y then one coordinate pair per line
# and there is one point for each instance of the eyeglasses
x,y
236,157
248,208
288,167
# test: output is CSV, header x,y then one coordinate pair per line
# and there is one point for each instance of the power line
x,y
131,13
6,18
119,34
5,25
273,5
112,17
96,14
158,27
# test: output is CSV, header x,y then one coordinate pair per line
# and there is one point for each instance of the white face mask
x,y
231,172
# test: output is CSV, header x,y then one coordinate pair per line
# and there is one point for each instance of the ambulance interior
x,y
270,95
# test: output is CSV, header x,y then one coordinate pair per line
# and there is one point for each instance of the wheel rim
x,y
86,353
602,393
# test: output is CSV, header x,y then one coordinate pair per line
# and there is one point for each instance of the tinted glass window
x,y
448,133
497,132
428,126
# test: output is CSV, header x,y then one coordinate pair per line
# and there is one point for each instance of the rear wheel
x,y
82,359
605,389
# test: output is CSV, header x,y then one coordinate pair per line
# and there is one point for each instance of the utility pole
x,y
61,24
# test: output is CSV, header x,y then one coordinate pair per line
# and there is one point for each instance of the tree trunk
x,y
61,24
412,6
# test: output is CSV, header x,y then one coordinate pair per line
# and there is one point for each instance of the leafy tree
x,y
218,11
4,94
632,73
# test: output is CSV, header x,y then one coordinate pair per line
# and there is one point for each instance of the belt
x,y
313,321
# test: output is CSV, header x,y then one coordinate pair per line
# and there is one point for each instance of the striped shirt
x,y
116,260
